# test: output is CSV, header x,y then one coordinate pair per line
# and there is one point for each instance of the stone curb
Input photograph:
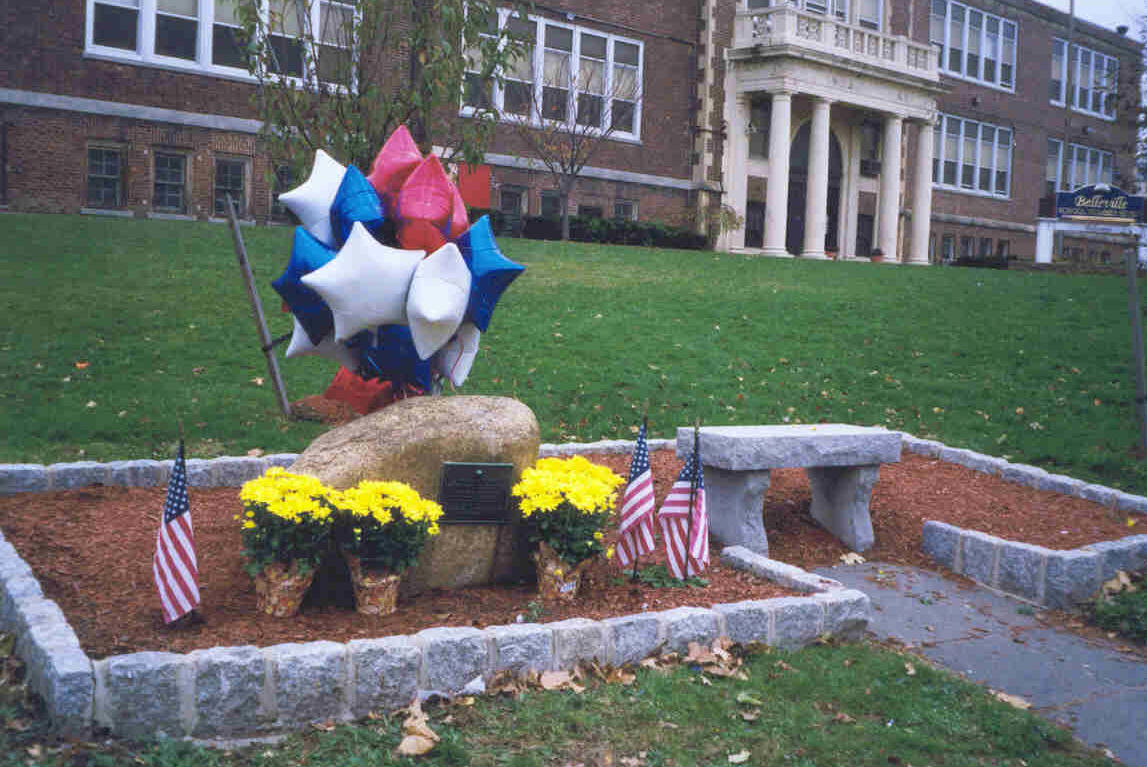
x,y
1046,577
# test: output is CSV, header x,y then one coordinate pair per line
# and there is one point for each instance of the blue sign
x,y
1099,202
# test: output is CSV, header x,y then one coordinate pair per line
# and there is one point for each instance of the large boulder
x,y
408,442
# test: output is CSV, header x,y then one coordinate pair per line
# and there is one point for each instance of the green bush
x,y
1125,612
593,229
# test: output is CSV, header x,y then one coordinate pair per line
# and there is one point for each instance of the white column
x,y
890,187
816,199
777,192
922,195
1044,240
851,195
736,162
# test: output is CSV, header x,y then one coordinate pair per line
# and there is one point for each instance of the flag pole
x,y
692,494
636,554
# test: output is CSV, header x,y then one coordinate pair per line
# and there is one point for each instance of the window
x,y
115,24
1094,79
207,35
567,73
985,247
510,200
170,183
948,247
105,178
869,14
1080,166
625,210
974,156
177,28
760,118
965,247
1003,248
551,204
973,44
230,179
590,211
283,181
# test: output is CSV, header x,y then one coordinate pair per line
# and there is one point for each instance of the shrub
x,y
1125,611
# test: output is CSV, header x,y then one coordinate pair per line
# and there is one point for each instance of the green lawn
x,y
849,705
1033,367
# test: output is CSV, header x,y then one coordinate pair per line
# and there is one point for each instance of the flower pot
x,y
556,579
375,593
876,259
280,588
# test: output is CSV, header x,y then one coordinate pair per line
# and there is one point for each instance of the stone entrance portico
x,y
833,74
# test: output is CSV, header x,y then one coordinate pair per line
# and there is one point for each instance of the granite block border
x,y
1056,579
227,693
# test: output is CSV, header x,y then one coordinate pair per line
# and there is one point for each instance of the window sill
x,y
1085,113
172,65
970,192
622,138
170,216
977,81
116,212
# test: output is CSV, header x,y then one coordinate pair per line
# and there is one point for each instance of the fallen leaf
x,y
848,662
559,680
91,403
323,726
751,715
82,365
843,718
749,698
255,452
706,681
784,666
1012,700
35,751
909,669
852,558
257,380
739,758
668,725
415,745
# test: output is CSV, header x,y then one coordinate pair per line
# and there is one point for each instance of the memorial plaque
x,y
476,492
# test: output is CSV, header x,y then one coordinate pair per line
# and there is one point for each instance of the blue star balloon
x,y
491,271
356,200
307,255
394,358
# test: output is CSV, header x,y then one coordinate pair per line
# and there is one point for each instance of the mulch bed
x,y
92,551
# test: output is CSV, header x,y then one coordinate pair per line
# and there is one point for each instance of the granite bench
x,y
842,462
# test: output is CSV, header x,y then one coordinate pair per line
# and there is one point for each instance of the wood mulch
x,y
92,550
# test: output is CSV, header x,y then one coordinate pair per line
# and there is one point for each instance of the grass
x,y
827,705
1030,366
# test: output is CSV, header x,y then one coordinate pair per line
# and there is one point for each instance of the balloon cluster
x,y
387,277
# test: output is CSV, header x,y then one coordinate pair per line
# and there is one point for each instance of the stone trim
x,y
224,693
1049,578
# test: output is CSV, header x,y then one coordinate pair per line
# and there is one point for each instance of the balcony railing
x,y
786,25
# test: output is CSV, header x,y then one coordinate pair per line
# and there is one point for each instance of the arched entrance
x,y
798,188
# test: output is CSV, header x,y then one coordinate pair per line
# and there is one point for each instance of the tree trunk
x,y
417,125
564,196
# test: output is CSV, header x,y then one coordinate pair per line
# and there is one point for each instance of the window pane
x,y
1008,56
287,17
975,28
1056,92
115,27
956,39
478,91
169,182
1052,169
967,173
522,29
287,55
591,76
589,109
1003,163
593,46
557,68
180,7
227,47
227,12
559,38
623,116
175,36
555,103
987,147
518,97
229,180
522,67
626,53
335,65
551,205
336,24
624,81
104,189
1105,172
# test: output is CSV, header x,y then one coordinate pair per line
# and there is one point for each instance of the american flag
x,y
687,545
635,533
176,572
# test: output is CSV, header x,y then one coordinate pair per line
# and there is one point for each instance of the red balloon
x,y
459,221
425,205
393,165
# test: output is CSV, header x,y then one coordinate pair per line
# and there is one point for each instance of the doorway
x,y
798,190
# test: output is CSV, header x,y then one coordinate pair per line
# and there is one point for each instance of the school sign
x,y
1099,202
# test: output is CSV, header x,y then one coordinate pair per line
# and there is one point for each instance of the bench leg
x,y
736,502
840,497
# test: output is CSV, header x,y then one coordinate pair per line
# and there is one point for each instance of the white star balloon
x,y
311,200
301,346
366,284
437,301
455,359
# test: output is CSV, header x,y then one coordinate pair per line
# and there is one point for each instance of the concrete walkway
x,y
1092,687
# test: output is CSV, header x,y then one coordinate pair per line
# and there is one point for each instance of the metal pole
x,y
1136,311
265,341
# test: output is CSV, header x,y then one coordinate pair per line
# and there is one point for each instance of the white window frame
x,y
534,118
964,29
1073,57
1093,166
146,55
979,163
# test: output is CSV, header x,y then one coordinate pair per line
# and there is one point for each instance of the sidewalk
x,y
1092,687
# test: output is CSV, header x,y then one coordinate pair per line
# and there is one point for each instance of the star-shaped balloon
x,y
367,284
301,346
437,299
459,221
492,272
393,357
455,359
425,205
356,200
307,255
311,200
394,163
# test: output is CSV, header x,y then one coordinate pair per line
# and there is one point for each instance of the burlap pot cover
x,y
374,593
280,588
556,579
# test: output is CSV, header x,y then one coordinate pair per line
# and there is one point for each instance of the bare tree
x,y
563,120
